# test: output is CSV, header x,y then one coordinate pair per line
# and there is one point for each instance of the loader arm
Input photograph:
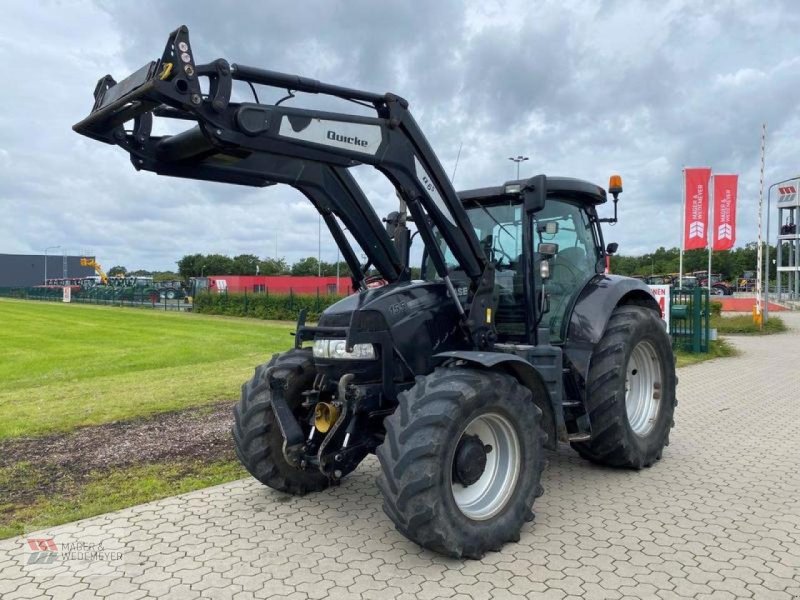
x,y
259,144
332,190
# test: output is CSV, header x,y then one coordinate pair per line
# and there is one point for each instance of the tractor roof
x,y
576,189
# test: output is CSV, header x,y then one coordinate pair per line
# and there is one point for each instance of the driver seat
x,y
574,256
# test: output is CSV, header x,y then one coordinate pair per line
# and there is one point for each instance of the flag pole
x,y
710,230
683,227
759,251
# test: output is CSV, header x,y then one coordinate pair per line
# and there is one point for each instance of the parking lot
x,y
718,518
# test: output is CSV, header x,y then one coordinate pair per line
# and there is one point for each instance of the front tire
x,y
630,391
462,461
256,434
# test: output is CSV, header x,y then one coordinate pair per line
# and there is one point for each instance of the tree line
x,y
731,264
200,265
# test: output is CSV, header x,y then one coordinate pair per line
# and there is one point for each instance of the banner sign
x,y
695,233
67,294
725,191
662,296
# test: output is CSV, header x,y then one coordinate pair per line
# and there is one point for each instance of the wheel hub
x,y
643,388
486,466
470,460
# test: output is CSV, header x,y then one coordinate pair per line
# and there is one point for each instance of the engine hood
x,y
409,321
394,302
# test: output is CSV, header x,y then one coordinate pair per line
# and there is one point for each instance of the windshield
x,y
499,230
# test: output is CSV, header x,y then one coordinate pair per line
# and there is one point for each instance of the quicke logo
x,y
355,141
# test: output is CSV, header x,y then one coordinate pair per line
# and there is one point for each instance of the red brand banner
x,y
695,224
725,187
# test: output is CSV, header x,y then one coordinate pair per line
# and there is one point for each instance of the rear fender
x,y
592,310
520,369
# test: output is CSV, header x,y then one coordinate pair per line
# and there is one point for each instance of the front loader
x,y
513,340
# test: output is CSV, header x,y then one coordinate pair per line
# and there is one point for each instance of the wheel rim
x,y
643,388
490,493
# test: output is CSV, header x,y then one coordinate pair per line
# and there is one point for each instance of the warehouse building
x,y
28,270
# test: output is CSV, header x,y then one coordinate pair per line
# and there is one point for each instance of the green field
x,y
63,366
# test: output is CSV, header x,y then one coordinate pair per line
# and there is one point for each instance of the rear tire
x,y
420,475
630,391
256,434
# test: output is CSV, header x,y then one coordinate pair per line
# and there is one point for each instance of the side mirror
x,y
612,248
534,193
548,250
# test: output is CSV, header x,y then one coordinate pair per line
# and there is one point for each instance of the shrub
x,y
743,324
716,308
278,307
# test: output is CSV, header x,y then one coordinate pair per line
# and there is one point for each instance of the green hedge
x,y
716,308
279,307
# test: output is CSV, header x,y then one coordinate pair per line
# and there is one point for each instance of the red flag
x,y
725,187
695,233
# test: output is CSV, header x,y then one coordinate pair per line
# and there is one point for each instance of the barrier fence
x,y
106,296
260,305
690,317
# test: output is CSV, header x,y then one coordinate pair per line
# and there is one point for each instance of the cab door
x,y
575,263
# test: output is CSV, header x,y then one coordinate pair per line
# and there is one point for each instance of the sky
x,y
584,89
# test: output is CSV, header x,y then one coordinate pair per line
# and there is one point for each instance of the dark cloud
x,y
584,89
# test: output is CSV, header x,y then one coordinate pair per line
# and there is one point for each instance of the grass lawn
x,y
64,366
716,349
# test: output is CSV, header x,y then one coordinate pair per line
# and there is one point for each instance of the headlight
x,y
337,349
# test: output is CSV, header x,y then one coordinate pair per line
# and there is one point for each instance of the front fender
x,y
547,398
592,310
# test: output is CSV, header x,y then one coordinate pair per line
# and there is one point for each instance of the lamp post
x,y
203,268
45,261
518,159
766,260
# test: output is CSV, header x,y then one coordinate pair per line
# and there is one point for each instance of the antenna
x,y
453,178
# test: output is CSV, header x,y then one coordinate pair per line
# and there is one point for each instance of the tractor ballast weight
x,y
514,339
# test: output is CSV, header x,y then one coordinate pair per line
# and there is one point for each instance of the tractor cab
x,y
542,258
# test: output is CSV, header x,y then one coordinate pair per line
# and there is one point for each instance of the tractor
x,y
514,339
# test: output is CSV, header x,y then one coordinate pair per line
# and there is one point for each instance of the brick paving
x,y
717,519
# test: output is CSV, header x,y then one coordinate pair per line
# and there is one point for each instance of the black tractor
x,y
513,340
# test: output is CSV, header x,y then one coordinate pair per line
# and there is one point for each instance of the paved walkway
x,y
718,518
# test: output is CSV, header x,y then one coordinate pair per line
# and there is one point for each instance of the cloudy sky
x,y
585,89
